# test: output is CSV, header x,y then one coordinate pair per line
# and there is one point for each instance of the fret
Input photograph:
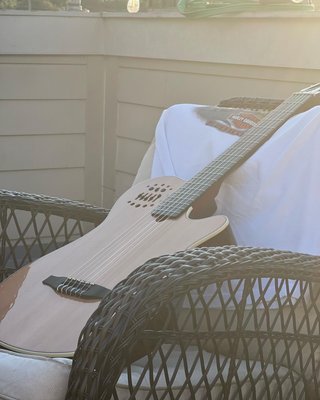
x,y
234,156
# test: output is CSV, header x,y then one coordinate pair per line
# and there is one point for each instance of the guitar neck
x,y
230,159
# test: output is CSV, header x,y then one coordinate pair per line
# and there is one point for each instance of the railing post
x,y
74,5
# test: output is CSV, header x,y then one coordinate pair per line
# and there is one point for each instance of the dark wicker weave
x,y
34,225
145,315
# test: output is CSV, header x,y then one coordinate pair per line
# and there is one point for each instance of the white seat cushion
x,y
24,377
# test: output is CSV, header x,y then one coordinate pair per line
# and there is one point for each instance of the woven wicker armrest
x,y
52,206
33,225
205,299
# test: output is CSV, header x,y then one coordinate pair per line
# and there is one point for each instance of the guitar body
x,y
36,319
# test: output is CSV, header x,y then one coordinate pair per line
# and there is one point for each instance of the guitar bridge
x,y
76,288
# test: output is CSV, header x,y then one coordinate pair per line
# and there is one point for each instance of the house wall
x,y
42,109
51,105
80,94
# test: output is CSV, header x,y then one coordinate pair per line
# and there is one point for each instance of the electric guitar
x,y
44,305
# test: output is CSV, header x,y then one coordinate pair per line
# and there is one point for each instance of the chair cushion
x,y
26,377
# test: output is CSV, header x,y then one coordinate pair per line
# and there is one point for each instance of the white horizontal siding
x,y
67,183
129,155
43,125
137,121
123,183
40,117
42,81
162,88
41,152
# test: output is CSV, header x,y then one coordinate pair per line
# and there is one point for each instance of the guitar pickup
x,y
76,288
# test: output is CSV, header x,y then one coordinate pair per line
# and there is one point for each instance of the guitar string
x,y
118,252
106,249
135,243
137,240
102,252
199,184
146,232
122,236
142,237
243,144
132,242
112,261
123,242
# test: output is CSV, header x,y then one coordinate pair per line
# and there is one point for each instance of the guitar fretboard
x,y
230,159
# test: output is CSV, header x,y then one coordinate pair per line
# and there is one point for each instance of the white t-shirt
x,y
273,199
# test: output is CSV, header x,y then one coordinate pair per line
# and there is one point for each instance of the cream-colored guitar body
x,y
36,319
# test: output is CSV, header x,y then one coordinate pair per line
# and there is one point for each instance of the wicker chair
x,y
199,324
164,312
202,326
